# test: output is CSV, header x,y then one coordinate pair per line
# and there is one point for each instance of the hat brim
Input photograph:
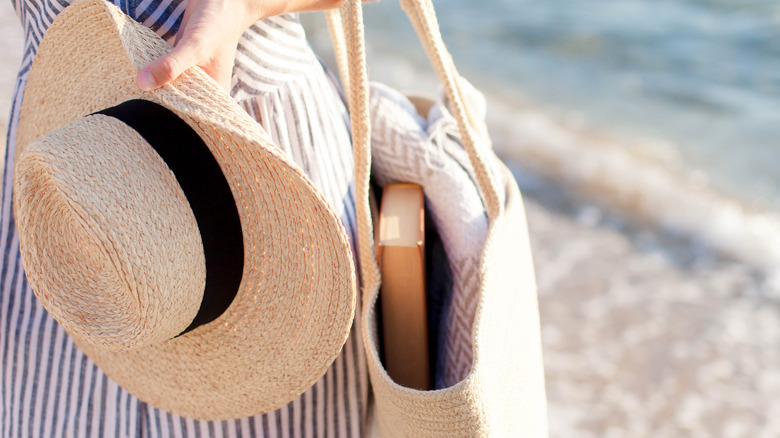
x,y
293,311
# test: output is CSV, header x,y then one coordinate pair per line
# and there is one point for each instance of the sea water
x,y
703,75
668,109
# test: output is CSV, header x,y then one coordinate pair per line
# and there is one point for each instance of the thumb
x,y
168,67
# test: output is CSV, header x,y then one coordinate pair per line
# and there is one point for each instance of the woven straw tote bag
x,y
502,394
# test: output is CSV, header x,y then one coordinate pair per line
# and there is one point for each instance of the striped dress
x,y
49,388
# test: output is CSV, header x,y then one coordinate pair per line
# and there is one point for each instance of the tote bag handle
x,y
349,46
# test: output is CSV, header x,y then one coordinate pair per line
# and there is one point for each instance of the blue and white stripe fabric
x,y
49,388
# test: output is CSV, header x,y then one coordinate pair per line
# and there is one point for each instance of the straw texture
x,y
295,305
503,394
101,245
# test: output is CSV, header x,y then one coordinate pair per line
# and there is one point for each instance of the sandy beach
x,y
645,334
648,335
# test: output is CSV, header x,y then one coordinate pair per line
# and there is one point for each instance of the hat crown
x,y
122,265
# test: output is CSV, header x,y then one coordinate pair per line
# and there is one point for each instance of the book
x,y
401,254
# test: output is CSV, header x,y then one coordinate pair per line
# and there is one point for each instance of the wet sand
x,y
645,334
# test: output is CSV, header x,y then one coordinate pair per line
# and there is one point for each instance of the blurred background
x,y
645,136
11,46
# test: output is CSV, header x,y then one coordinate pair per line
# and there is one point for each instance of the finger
x,y
221,68
170,66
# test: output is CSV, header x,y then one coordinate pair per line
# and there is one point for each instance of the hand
x,y
208,37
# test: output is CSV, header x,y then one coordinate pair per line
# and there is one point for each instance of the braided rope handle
x,y
423,18
357,84
336,30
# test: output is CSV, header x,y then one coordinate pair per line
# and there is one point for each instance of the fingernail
x,y
146,81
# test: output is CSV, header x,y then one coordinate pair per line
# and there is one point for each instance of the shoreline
x,y
656,191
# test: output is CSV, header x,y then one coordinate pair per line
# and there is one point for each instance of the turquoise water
x,y
701,77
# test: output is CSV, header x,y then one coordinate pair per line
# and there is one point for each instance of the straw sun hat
x,y
182,251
